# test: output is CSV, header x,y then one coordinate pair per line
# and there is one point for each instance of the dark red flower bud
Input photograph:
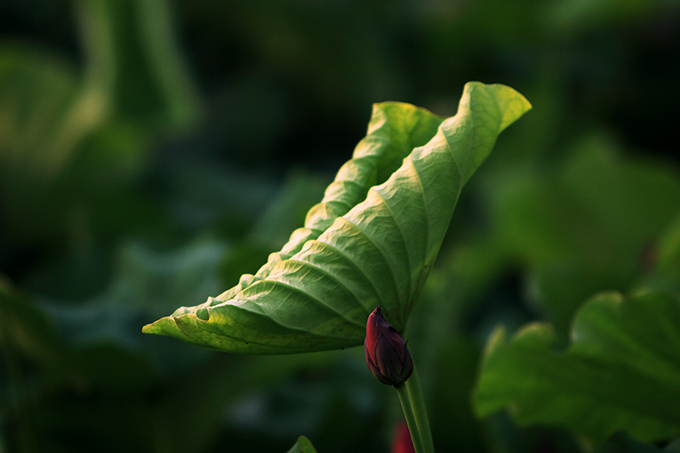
x,y
387,356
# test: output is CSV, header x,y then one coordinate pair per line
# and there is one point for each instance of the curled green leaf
x,y
371,241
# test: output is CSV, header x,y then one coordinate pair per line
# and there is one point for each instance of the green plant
x,y
621,372
152,152
371,242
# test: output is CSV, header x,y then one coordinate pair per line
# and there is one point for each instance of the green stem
x,y
410,417
413,405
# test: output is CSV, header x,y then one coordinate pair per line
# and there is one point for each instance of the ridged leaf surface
x,y
371,241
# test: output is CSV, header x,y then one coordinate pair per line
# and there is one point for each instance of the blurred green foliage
x,y
620,372
152,152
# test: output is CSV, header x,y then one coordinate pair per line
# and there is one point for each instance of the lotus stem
x,y
413,404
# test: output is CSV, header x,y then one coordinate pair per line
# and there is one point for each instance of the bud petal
x,y
387,356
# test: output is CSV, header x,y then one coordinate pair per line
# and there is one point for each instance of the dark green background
x,y
150,155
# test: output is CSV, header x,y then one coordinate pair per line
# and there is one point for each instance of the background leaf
x,y
303,445
574,222
622,371
316,293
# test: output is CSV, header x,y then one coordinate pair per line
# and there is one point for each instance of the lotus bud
x,y
387,356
